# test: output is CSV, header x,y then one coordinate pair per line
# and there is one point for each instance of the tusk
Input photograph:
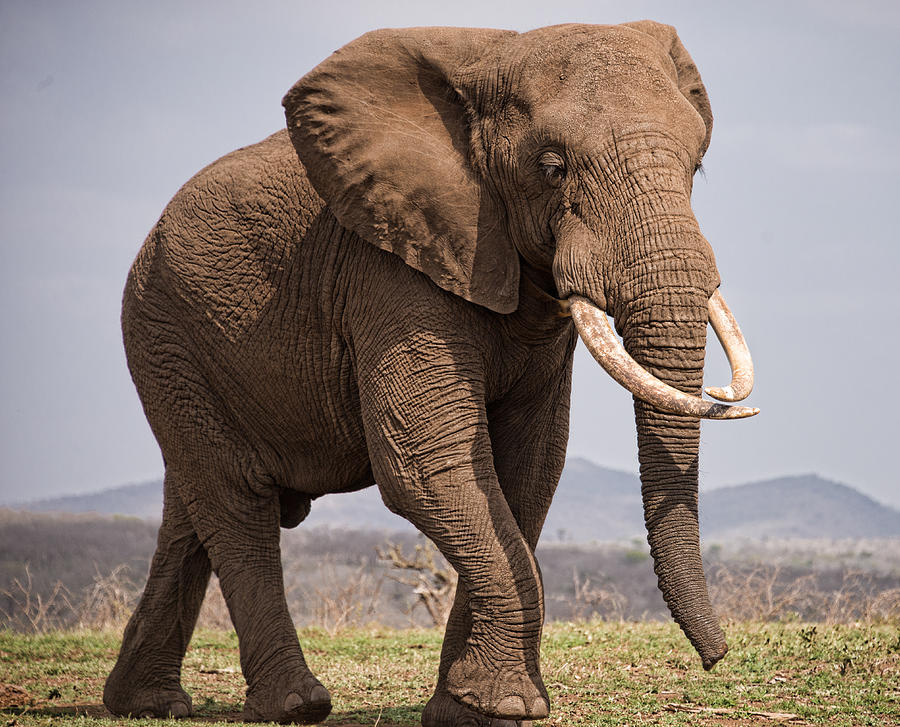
x,y
732,340
605,347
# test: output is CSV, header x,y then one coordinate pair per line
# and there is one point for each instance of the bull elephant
x,y
401,308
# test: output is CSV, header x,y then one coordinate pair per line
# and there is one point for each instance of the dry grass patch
x,y
598,673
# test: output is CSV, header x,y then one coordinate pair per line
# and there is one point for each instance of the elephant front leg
x,y
496,672
431,453
529,432
443,709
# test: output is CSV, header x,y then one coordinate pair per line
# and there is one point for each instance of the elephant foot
x,y
507,694
443,710
161,702
300,700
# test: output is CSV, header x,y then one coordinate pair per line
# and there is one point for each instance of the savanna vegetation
x,y
87,571
598,673
813,628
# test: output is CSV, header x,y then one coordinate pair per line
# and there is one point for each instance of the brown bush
x,y
108,602
214,611
430,576
341,596
62,572
763,592
28,610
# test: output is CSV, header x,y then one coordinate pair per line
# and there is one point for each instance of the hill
x,y
363,509
804,506
592,503
143,501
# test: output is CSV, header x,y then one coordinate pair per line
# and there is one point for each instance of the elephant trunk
x,y
667,337
664,337
657,281
667,447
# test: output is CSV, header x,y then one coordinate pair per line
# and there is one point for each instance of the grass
x,y
597,673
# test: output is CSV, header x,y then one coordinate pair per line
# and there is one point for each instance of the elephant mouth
x,y
600,339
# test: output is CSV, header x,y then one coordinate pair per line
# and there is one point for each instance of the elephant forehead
x,y
584,60
583,80
588,126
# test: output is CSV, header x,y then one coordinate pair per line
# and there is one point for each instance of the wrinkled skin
x,y
389,312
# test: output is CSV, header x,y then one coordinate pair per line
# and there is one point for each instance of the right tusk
x,y
605,347
732,340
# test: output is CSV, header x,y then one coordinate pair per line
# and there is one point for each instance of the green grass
x,y
597,673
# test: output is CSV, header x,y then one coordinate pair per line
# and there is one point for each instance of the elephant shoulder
x,y
222,240
251,204
261,184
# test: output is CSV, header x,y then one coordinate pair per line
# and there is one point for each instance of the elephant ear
x,y
689,82
384,137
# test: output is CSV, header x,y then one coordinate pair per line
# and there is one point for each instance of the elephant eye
x,y
553,168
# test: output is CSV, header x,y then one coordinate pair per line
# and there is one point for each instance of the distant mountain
x,y
143,501
595,503
359,510
803,506
592,503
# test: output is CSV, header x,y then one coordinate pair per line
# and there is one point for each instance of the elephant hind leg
x,y
146,680
236,513
231,507
240,529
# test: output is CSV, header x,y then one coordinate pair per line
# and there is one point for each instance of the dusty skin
x,y
391,308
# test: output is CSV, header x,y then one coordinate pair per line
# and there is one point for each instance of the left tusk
x,y
729,334
594,329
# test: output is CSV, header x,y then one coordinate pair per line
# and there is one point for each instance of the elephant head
x,y
566,153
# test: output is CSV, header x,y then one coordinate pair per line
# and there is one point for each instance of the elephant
x,y
389,292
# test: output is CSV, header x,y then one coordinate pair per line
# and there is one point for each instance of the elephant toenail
x,y
147,713
539,708
319,694
511,707
179,710
292,701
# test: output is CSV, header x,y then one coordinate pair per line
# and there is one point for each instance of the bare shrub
x,y
764,592
430,576
615,580
750,593
884,607
859,598
341,596
604,602
25,609
341,577
214,611
108,602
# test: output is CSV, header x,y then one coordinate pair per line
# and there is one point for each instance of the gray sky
x,y
108,107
